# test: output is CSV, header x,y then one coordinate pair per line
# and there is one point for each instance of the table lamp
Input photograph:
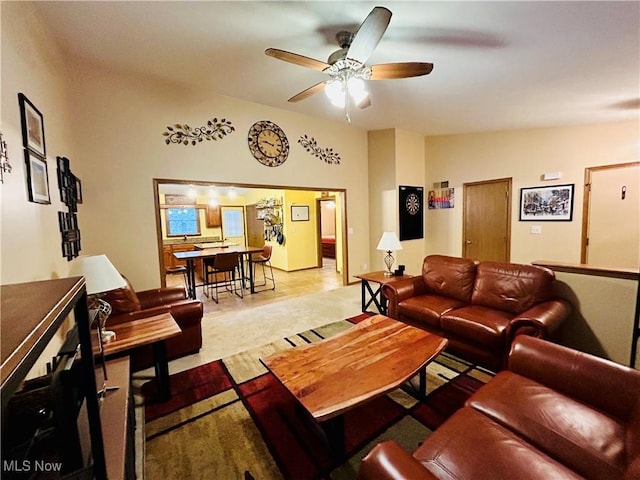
x,y
389,243
101,277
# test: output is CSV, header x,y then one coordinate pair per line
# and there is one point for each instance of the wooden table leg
x,y
161,365
334,431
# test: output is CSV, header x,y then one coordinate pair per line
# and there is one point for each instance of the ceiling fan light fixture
x,y
335,91
357,89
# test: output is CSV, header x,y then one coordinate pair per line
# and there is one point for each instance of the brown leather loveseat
x,y
478,307
128,305
556,413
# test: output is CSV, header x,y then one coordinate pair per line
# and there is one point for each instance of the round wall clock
x,y
412,204
268,143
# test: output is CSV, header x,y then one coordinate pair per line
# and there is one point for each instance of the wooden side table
x,y
147,331
375,296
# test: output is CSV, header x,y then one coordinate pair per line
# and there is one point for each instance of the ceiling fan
x,y
346,66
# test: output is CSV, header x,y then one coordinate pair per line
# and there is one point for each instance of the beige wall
x,y
120,171
524,155
396,157
602,320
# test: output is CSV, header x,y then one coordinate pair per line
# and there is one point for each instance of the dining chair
x,y
263,259
221,272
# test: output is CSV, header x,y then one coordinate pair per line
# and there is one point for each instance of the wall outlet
x,y
536,229
363,267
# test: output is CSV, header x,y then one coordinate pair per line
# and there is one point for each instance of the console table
x,y
153,331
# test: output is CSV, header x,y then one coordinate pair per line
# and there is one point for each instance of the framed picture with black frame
x,y
32,126
546,204
299,213
37,178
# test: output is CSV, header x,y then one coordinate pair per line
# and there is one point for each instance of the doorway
x,y
326,208
244,198
486,234
610,227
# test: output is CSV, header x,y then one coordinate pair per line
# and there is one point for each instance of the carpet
x,y
231,419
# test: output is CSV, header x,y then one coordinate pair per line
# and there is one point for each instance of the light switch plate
x,y
536,229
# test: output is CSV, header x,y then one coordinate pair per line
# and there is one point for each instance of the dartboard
x,y
412,204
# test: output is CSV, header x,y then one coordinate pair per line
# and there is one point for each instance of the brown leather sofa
x,y
128,305
478,307
556,413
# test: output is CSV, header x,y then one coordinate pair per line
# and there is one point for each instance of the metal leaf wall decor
x,y
183,134
325,154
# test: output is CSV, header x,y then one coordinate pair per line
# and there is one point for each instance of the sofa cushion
x,y
469,445
449,276
122,300
579,436
478,325
426,309
511,287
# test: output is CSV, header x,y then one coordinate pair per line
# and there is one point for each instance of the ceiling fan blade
x,y
369,34
318,87
297,59
385,71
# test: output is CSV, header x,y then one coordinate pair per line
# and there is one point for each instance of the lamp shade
x,y
389,242
99,273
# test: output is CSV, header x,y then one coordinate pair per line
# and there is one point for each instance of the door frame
x,y
319,201
156,202
509,181
586,200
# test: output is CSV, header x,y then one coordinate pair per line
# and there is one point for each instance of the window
x,y
183,221
232,221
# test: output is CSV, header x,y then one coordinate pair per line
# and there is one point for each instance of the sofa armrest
x,y
388,461
136,315
161,296
608,386
541,320
401,290
187,312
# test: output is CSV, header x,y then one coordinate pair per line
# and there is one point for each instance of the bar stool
x,y
263,259
180,269
225,265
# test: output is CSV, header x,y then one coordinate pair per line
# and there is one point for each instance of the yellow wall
x,y
301,236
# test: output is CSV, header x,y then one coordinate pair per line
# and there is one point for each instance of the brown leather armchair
x,y
128,305
555,413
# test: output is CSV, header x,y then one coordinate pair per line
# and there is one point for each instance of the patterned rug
x,y
231,419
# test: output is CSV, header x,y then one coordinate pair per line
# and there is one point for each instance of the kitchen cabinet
x,y
214,218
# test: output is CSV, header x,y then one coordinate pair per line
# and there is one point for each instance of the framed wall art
x,y
37,178
299,213
553,203
32,126
70,233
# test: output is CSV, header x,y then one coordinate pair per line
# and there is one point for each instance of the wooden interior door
x,y
486,232
611,231
255,227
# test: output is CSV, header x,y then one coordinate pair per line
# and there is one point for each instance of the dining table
x,y
190,258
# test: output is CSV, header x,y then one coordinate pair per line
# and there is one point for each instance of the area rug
x,y
231,419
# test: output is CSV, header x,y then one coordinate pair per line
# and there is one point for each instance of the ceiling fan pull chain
x,y
347,102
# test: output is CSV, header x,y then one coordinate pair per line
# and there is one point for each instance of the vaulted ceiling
x,y
497,65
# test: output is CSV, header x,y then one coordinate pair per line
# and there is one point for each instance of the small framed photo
x,y
78,190
32,126
299,213
37,178
553,203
